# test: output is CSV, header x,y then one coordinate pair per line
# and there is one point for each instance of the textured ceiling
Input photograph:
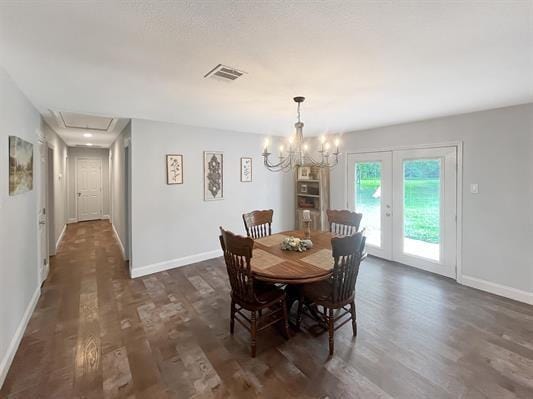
x,y
360,64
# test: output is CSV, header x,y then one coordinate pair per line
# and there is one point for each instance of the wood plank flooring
x,y
98,334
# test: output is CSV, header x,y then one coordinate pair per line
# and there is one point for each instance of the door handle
x,y
79,194
42,222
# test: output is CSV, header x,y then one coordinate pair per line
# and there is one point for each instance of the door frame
x,y
41,178
459,187
101,202
50,200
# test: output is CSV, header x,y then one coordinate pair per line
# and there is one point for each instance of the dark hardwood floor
x,y
98,334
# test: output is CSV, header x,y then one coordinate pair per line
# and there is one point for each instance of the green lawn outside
x,y
421,207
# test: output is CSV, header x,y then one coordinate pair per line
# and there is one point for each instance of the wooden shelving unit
x,y
312,194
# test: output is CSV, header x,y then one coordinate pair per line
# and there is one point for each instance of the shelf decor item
x,y
307,223
296,244
174,169
246,170
20,166
213,175
304,173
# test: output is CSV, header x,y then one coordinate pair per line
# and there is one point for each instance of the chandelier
x,y
298,151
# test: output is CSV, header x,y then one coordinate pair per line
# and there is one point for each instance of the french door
x,y
408,201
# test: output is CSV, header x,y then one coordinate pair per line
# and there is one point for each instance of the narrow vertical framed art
x,y
213,175
174,169
246,170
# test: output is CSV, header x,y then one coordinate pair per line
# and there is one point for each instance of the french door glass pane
x,y
368,199
421,207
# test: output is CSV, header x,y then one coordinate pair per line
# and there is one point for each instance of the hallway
x,y
75,331
98,334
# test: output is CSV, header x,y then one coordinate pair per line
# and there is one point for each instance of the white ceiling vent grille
x,y
224,73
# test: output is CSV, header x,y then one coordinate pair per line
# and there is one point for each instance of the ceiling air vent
x,y
224,73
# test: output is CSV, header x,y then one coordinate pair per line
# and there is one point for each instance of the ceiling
x,y
86,130
359,63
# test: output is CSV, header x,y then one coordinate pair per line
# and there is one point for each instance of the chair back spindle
x,y
258,223
343,222
237,255
347,254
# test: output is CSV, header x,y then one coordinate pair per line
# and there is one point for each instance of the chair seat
x,y
321,293
266,295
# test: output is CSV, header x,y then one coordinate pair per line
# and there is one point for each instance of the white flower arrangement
x,y
296,244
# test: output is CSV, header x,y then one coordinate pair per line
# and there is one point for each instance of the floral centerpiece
x,y
296,244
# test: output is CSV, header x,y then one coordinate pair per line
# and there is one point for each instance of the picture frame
x,y
213,175
246,170
20,166
303,188
304,173
174,169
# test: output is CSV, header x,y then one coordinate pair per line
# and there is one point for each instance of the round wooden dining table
x,y
272,264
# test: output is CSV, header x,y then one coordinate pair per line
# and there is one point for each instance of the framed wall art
x,y
174,169
246,170
20,166
304,173
213,175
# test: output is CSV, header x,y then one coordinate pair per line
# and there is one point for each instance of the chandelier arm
x,y
284,163
322,164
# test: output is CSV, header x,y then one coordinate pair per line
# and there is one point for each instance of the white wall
x,y
19,288
172,224
118,187
81,152
59,188
497,222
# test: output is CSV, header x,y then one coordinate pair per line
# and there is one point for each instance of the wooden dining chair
x,y
246,295
258,223
338,292
343,222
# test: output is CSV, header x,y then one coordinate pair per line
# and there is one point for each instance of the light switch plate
x,y
474,188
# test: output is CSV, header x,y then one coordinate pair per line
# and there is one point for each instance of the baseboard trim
x,y
61,236
119,242
498,289
19,333
72,220
173,263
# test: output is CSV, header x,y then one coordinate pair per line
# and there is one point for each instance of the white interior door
x,y
370,193
425,196
408,199
42,211
89,188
